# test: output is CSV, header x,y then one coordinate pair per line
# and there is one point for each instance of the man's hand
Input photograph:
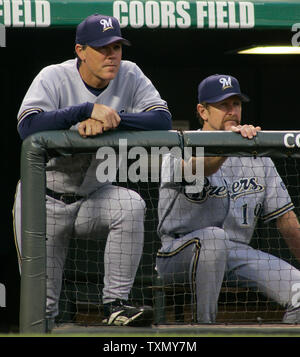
x,y
247,131
107,116
90,127
213,163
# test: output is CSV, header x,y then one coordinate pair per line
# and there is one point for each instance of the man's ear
x,y
202,111
80,52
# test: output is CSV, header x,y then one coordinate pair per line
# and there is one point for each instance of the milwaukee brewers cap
x,y
219,87
99,30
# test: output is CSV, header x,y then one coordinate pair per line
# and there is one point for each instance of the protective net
x,y
173,301
218,243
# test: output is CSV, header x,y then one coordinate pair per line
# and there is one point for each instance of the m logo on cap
x,y
226,83
107,24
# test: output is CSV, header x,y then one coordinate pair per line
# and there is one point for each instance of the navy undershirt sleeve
x,y
152,120
54,120
63,119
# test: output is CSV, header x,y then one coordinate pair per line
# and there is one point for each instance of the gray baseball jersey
x,y
59,86
243,190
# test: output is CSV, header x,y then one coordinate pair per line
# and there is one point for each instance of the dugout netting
x,y
80,299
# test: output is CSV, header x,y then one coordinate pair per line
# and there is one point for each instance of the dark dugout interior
x,y
176,61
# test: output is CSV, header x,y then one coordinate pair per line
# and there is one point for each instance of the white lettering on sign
x,y
25,13
290,140
171,14
152,14
225,14
296,37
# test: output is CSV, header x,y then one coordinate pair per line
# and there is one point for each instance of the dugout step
x,y
169,310
172,304
89,313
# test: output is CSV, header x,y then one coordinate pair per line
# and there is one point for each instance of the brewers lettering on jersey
x,y
93,93
205,236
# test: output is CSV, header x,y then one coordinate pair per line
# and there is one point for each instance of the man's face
x,y
221,115
100,65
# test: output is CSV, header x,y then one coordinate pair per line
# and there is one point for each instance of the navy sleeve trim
x,y
27,112
278,212
33,120
157,107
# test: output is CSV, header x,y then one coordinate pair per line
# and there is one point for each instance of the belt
x,y
67,197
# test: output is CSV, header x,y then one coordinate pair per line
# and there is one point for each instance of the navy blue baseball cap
x,y
218,87
99,30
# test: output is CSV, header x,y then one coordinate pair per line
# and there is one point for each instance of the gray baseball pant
x,y
112,213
